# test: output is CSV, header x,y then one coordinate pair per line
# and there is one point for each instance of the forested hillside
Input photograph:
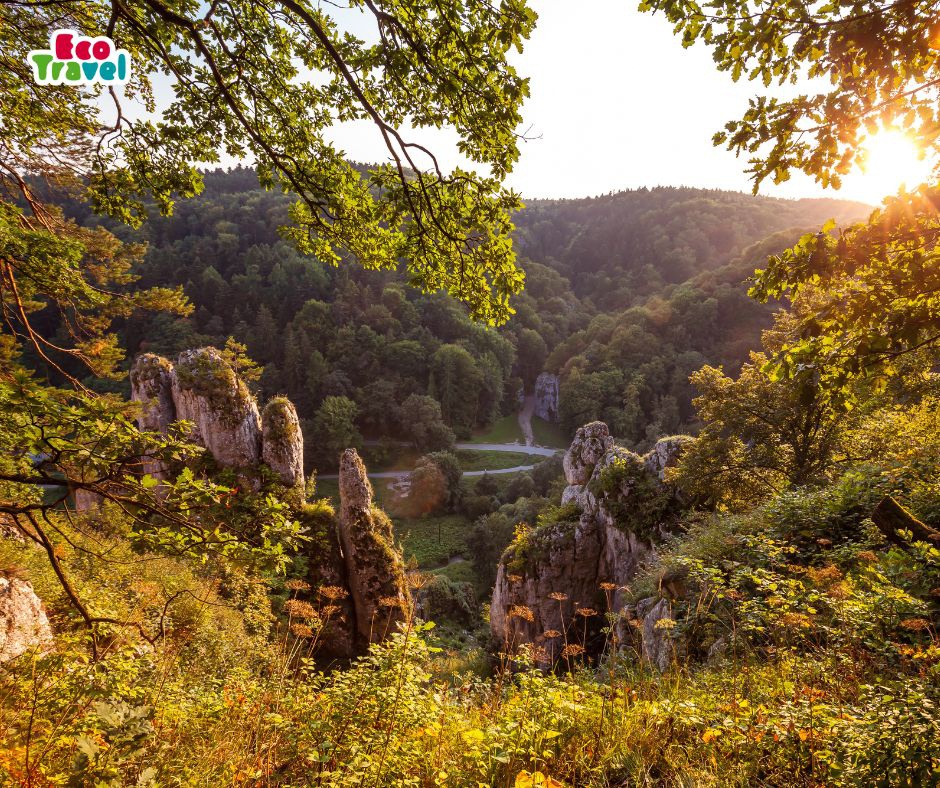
x,y
240,541
626,295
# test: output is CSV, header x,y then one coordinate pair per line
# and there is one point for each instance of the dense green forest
x,y
273,511
626,296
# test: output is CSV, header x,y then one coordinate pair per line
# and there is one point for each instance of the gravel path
x,y
525,419
541,451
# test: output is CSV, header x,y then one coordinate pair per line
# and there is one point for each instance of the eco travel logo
x,y
73,59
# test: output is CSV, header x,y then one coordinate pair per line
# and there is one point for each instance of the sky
x,y
616,103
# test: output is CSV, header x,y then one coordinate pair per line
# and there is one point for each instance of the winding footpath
x,y
529,447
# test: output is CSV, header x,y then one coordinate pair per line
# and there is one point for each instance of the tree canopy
x,y
269,82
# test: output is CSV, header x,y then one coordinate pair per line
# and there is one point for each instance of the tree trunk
x,y
891,518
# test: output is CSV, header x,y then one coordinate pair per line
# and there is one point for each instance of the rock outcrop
x,y
208,393
152,385
23,622
374,568
282,441
614,510
546,397
203,389
353,567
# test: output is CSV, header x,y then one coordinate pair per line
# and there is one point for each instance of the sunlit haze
x,y
617,103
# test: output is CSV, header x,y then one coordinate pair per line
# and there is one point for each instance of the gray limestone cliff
x,y
374,568
208,393
202,388
352,562
23,622
614,511
152,386
282,443
546,397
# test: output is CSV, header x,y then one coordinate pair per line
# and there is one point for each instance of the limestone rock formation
x,y
354,568
208,393
591,442
203,389
546,397
23,621
152,385
666,453
283,441
374,568
658,645
615,509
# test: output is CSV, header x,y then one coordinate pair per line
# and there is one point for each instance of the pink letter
x,y
101,49
63,46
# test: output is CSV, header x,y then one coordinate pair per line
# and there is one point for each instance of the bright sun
x,y
892,159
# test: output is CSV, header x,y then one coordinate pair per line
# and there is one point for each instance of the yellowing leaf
x,y
710,735
536,780
473,736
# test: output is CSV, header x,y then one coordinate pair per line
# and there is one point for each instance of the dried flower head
x,y
418,580
824,542
333,592
297,608
330,610
552,633
539,654
514,578
301,630
572,650
390,601
297,585
868,556
521,611
586,612
608,586
915,624
558,596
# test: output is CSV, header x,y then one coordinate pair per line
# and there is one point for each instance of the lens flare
x,y
890,159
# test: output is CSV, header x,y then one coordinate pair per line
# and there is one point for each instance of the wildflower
x,y
551,633
297,608
333,592
521,611
558,596
586,612
572,650
915,624
665,623
297,585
